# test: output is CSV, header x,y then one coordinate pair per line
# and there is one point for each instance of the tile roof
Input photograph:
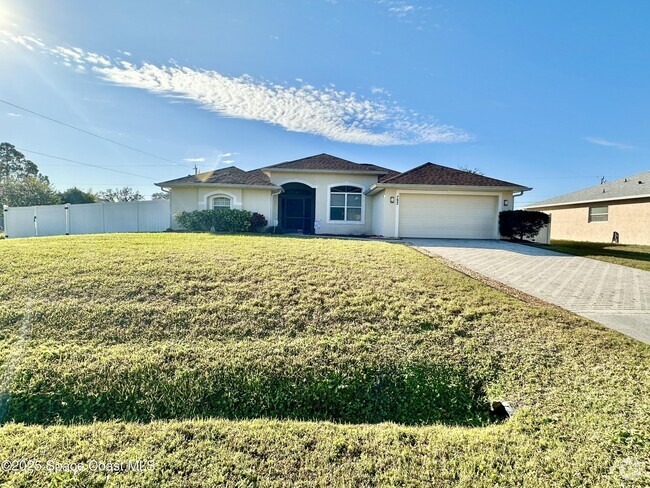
x,y
435,174
225,176
426,174
327,162
637,185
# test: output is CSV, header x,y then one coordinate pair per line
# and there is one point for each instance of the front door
x,y
297,208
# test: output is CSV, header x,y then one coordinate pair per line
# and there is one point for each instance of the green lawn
x,y
625,254
262,360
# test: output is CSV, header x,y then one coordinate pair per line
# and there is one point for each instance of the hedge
x,y
522,223
221,220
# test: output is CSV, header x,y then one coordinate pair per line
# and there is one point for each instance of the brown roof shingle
x,y
327,162
225,176
435,174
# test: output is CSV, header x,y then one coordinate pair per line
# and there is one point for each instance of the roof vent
x,y
625,180
603,190
640,182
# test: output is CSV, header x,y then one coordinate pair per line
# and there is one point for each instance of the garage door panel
x,y
448,216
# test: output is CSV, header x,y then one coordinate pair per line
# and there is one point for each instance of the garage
x,y
448,216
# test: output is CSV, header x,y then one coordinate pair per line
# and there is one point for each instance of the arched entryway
x,y
297,208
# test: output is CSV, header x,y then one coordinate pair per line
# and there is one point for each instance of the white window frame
x,y
599,214
363,204
220,195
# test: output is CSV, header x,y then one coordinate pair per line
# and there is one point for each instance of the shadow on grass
x,y
600,249
411,395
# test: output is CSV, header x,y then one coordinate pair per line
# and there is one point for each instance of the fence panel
x,y
19,222
154,216
50,220
90,218
544,235
121,217
87,218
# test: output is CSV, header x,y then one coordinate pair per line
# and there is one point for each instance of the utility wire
x,y
85,164
92,134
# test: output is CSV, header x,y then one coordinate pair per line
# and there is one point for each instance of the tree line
x,y
22,184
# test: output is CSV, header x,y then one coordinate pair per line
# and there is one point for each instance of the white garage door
x,y
448,216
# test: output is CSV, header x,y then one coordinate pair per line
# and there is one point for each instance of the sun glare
x,y
9,16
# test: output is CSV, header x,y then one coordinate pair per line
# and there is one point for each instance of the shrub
x,y
221,220
258,222
521,223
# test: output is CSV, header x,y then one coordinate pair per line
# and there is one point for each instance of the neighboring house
x,y
324,194
595,213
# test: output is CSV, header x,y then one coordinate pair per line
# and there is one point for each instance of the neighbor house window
x,y
597,214
345,204
220,202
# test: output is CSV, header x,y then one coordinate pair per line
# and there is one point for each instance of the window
x,y
220,202
597,214
345,204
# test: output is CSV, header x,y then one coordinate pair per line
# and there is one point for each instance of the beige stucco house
x,y
595,213
324,194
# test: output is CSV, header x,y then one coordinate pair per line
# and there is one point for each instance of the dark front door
x,y
297,205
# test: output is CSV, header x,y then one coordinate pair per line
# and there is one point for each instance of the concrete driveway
x,y
616,296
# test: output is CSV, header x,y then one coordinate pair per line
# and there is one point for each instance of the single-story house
x,y
325,194
595,213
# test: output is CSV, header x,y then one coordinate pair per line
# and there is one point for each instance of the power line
x,y
85,164
92,134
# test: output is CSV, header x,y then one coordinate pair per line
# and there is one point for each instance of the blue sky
x,y
552,95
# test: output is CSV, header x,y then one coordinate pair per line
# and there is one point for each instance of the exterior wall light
x,y
505,203
392,199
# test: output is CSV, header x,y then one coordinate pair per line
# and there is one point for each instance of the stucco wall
x,y
630,218
378,210
183,200
322,182
188,199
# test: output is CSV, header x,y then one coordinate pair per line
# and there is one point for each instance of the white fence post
x,y
5,212
67,219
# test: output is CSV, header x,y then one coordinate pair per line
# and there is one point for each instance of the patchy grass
x,y
249,360
634,256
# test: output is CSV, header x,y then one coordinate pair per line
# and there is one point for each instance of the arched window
x,y
221,201
346,203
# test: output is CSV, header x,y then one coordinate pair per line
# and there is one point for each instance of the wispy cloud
x,y
194,160
334,114
379,90
13,114
606,143
404,10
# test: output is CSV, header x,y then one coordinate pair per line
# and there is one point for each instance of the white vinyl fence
x,y
544,235
87,218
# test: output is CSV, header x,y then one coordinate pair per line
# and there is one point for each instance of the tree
x,y
27,191
474,171
21,184
75,195
125,194
160,195
522,223
14,163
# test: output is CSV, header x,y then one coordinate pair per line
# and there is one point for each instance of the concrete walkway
x,y
616,296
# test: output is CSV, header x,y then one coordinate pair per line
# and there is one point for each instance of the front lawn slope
x,y
261,360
